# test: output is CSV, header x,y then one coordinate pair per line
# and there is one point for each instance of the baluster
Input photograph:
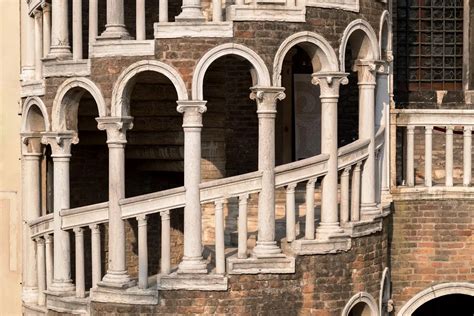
x,y
141,35
40,258
77,29
355,198
428,155
95,249
165,242
49,260
219,231
449,156
217,11
467,175
290,212
142,252
242,226
163,11
309,228
80,279
410,172
345,195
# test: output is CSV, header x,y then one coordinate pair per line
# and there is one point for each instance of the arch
x,y
385,290
67,100
260,77
362,297
124,84
322,51
371,48
385,21
29,106
434,292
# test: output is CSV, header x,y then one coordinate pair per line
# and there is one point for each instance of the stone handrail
x,y
41,226
353,153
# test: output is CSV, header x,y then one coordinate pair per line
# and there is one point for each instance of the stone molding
x,y
66,68
115,48
358,298
266,12
31,88
193,29
347,5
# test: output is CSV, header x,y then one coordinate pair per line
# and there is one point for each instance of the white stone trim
x,y
435,292
115,48
60,109
365,27
262,74
66,68
358,298
347,5
32,88
122,87
193,29
266,13
385,284
28,104
324,52
385,18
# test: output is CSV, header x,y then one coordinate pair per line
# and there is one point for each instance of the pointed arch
x,y
31,106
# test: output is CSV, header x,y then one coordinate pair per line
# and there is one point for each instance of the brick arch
x,y
362,297
124,84
30,104
323,53
260,77
434,292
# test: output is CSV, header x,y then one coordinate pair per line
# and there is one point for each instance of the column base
x,y
62,288
29,295
116,280
115,32
369,211
327,230
266,249
196,265
194,16
60,52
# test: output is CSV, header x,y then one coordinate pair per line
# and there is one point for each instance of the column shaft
x,y
49,260
38,45
93,21
165,243
163,10
46,29
428,155
219,238
140,20
467,153
95,249
59,31
77,29
242,226
449,156
290,213
345,196
410,172
115,27
310,215
80,276
190,11
41,271
142,252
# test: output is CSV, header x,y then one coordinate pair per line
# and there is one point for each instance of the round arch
x,y
69,96
260,77
435,292
362,297
124,84
322,50
371,48
385,37
30,104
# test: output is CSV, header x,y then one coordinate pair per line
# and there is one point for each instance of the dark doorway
x,y
455,305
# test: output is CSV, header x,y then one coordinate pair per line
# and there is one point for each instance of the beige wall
x,y
10,247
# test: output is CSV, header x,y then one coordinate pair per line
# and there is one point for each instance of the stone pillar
x,y
61,153
140,20
60,31
31,209
191,12
116,127
329,93
46,28
366,71
115,27
382,115
38,45
27,44
163,10
193,261
77,29
93,21
266,98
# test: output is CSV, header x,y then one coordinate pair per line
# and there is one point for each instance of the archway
x,y
453,304
361,304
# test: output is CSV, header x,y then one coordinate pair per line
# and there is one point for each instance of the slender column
x,y
38,45
449,156
49,260
115,27
163,11
95,249
46,28
60,31
31,209
190,11
428,155
290,213
355,198
345,196
193,261
329,86
116,127
61,153
467,161
266,98
142,252
242,243
165,243
366,71
41,271
410,172
219,231
80,278
77,29
216,11
140,20
381,120
309,227
93,21
27,43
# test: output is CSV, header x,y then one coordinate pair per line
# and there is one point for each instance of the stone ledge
x,y
277,13
193,29
34,309
67,304
66,68
364,228
116,48
278,265
432,193
32,88
318,247
132,295
347,5
193,282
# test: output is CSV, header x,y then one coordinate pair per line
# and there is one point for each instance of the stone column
x,y
266,98
46,28
77,29
38,45
193,261
381,119
115,27
31,209
366,71
61,153
191,12
93,21
27,43
329,94
116,127
60,30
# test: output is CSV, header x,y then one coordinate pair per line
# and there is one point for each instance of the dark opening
x,y
455,304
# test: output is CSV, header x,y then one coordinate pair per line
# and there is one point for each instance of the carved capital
x,y
46,7
290,188
192,113
60,143
165,215
329,83
31,144
367,71
266,98
116,128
